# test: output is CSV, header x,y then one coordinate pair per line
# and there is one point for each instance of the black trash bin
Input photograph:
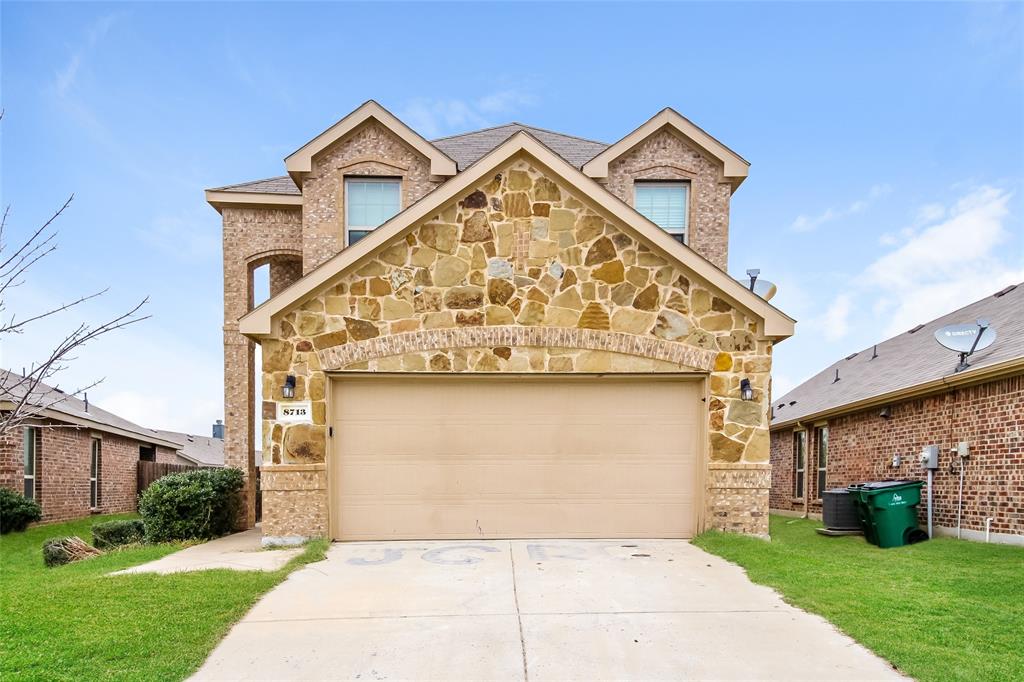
x,y
839,510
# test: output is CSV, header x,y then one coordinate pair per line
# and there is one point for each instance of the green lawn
x,y
75,623
939,610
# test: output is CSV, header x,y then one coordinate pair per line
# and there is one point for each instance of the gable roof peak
x,y
300,161
734,167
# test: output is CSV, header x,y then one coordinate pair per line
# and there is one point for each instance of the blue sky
x,y
886,142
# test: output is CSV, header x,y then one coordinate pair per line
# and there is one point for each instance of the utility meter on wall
x,y
930,457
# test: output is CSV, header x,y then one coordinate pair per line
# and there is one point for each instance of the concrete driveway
x,y
531,609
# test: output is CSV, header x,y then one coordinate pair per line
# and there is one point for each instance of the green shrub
x,y
16,512
200,504
110,534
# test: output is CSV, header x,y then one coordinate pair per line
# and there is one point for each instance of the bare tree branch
x,y
29,395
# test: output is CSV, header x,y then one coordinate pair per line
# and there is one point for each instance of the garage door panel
x,y
423,458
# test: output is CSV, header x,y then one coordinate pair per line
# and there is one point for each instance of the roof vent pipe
x,y
874,352
837,376
86,397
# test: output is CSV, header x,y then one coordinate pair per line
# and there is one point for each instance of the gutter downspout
x,y
807,479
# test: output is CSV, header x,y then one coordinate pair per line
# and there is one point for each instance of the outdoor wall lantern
x,y
746,392
288,390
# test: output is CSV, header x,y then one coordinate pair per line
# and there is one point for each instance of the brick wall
x,y
990,417
252,237
62,470
370,150
667,156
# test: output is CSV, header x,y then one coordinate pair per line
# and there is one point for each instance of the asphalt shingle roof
x,y
279,185
465,149
203,449
59,402
910,359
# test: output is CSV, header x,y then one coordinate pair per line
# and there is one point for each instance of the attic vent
x,y
916,329
851,356
792,402
1005,291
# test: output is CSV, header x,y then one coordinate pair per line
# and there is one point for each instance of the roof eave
x,y
57,415
975,376
220,199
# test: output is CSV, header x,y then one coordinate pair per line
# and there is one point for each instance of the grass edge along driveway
x,y
944,609
74,622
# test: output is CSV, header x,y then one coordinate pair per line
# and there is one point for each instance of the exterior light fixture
x,y
746,392
288,390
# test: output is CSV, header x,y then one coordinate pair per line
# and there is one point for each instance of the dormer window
x,y
666,204
369,203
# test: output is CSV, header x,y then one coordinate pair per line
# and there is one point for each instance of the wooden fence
x,y
150,471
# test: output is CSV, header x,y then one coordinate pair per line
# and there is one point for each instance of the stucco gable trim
x,y
735,166
301,160
776,325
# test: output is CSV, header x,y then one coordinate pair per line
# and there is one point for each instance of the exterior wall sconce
x,y
288,390
746,392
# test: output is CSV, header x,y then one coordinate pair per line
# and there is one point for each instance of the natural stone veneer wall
x,y
519,276
667,156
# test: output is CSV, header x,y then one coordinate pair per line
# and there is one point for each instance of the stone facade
x,y
989,416
519,275
666,155
63,458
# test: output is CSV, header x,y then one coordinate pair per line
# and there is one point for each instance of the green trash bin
x,y
888,511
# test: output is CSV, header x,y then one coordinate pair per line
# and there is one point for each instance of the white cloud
x,y
809,223
938,268
188,237
835,322
432,117
66,77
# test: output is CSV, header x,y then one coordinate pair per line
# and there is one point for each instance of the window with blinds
x,y
666,204
369,203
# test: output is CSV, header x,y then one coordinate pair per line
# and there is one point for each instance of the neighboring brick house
x,y
74,458
506,333
893,399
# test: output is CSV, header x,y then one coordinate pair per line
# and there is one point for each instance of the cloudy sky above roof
x,y
885,140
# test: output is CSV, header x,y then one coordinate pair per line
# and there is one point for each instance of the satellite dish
x,y
761,287
765,289
966,339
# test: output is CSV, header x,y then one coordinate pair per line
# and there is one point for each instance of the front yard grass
x,y
943,609
74,622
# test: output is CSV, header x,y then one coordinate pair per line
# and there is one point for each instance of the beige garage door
x,y
448,457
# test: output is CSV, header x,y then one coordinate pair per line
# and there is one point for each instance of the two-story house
x,y
506,333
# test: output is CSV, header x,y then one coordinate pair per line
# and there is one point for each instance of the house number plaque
x,y
301,411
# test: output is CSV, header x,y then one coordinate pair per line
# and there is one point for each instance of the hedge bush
x,y
110,534
200,504
16,512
